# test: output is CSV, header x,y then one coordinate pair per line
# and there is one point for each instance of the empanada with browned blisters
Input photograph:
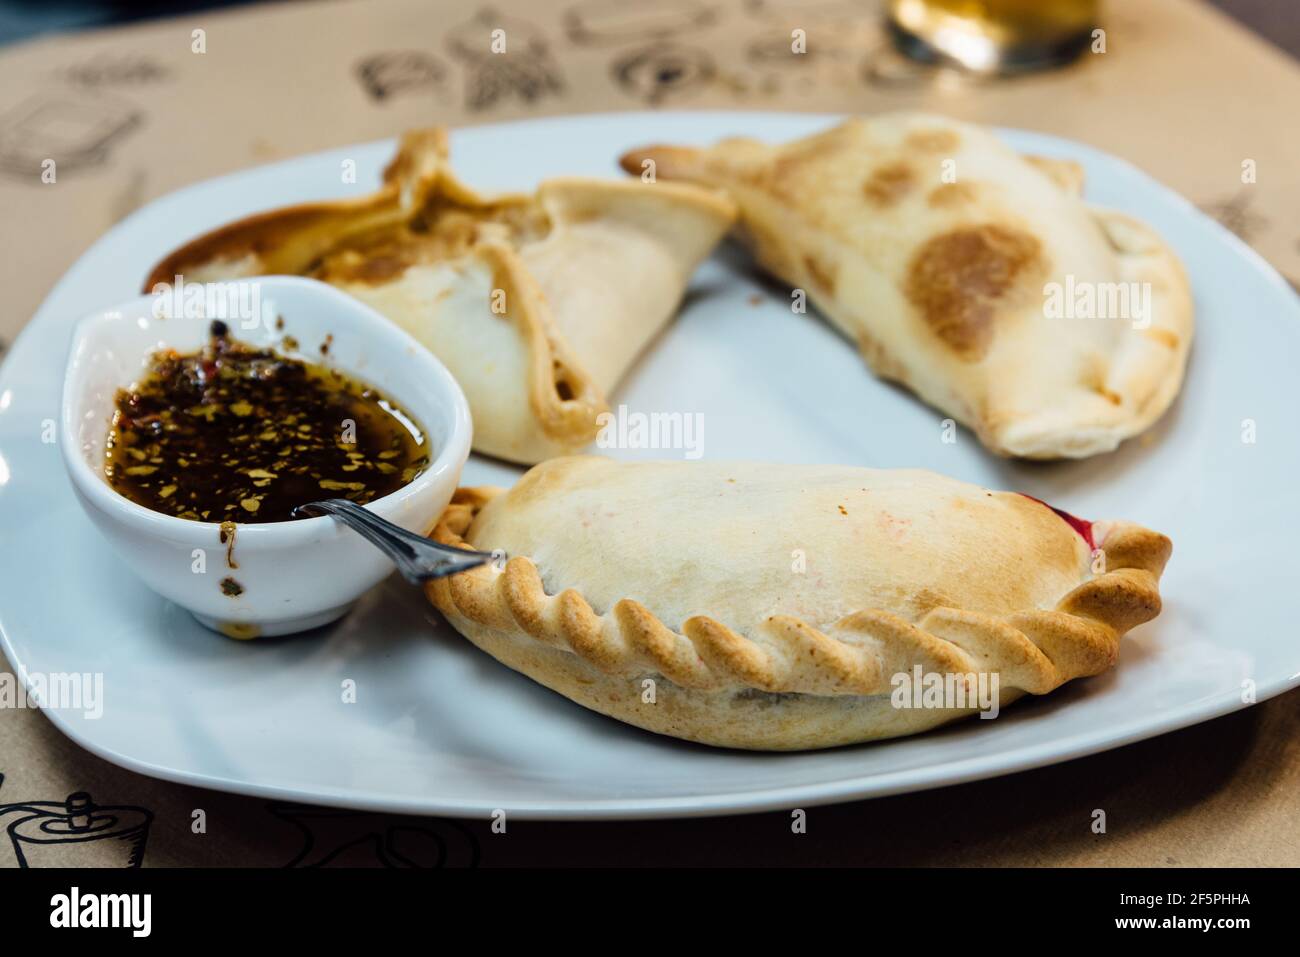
x,y
537,304
977,277
775,606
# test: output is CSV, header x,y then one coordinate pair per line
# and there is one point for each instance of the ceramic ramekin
x,y
294,575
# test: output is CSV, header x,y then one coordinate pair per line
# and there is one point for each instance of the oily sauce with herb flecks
x,y
235,433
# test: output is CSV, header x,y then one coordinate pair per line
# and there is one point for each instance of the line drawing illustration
x,y
774,50
340,838
106,69
394,72
609,22
662,71
76,832
526,69
75,128
1236,214
797,11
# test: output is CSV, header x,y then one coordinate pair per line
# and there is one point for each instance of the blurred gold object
x,y
993,36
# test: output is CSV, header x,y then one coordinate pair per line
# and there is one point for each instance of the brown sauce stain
x,y
227,536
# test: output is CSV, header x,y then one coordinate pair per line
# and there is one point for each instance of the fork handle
x,y
419,559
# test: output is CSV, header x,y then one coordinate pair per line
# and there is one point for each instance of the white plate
x,y
439,727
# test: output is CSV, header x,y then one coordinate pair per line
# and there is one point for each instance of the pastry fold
x,y
774,606
977,277
537,304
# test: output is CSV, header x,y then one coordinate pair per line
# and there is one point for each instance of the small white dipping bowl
x,y
294,575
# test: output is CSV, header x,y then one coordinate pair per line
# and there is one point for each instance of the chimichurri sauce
x,y
235,433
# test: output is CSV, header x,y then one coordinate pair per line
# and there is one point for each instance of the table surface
x,y
293,78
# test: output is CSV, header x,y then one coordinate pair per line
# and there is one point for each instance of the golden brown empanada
x,y
774,606
538,304
975,276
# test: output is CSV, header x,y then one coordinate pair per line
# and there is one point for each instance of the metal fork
x,y
418,559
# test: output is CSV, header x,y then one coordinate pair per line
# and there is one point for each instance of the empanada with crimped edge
x,y
932,244
772,605
537,304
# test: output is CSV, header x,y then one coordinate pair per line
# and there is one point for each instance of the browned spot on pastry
x,y
371,263
378,269
888,184
1095,377
787,173
441,232
792,158
1165,337
1066,174
539,484
933,141
821,274
879,358
924,601
956,279
948,195
784,174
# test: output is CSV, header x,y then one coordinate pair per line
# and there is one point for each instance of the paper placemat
x,y
130,114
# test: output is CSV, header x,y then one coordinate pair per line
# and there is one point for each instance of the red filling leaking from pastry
x,y
1084,528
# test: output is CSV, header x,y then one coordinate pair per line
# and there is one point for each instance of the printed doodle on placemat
x,y
663,70
597,22
1235,214
54,132
75,832
393,72
503,57
338,838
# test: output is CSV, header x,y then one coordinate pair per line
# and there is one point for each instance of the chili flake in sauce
x,y
235,433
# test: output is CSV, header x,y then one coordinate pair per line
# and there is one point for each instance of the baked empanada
x,y
537,304
774,606
966,272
